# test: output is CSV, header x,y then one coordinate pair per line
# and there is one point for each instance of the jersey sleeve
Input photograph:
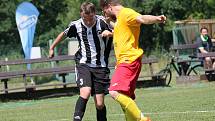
x,y
104,25
199,43
131,16
71,31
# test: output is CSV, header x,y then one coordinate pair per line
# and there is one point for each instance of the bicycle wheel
x,y
196,70
166,75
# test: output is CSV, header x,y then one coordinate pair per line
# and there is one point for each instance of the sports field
x,y
194,102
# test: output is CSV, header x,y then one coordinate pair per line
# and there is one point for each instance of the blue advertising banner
x,y
26,19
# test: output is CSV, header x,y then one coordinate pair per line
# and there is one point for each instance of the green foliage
x,y
55,15
160,35
49,23
8,31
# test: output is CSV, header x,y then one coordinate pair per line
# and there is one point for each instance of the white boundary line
x,y
60,120
184,112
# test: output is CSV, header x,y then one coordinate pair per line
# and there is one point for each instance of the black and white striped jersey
x,y
93,49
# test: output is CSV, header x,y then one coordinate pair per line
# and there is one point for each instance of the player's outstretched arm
x,y
150,19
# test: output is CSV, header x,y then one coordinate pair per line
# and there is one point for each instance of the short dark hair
x,y
203,28
87,8
104,3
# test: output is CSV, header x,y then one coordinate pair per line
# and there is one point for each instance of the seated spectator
x,y
205,46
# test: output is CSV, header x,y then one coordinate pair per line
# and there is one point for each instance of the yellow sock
x,y
127,117
132,112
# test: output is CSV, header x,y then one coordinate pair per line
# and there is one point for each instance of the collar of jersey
x,y
86,25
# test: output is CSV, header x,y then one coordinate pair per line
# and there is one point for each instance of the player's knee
x,y
113,94
100,106
85,92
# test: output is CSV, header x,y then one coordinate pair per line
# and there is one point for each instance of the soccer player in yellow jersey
x,y
128,55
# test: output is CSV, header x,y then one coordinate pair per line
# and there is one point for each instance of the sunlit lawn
x,y
194,102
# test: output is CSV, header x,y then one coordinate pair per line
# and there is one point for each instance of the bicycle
x,y
182,68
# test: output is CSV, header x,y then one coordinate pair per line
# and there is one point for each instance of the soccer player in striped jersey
x,y
94,37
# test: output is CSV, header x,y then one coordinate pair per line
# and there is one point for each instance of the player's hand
x,y
161,18
106,33
51,53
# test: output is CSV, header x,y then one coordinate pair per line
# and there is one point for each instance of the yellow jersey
x,y
126,36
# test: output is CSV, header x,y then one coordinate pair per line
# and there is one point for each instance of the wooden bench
x,y
149,62
24,73
191,57
181,47
184,46
209,72
5,75
152,78
203,55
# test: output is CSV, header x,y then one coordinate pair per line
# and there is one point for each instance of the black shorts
x,y
95,77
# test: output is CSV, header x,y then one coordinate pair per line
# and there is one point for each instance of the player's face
x,y
89,19
108,13
204,32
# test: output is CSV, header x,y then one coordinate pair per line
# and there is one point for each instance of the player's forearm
x,y
57,40
150,19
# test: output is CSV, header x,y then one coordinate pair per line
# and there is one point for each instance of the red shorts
x,y
125,77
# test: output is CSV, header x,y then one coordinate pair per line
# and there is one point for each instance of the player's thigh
x,y
101,80
83,76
